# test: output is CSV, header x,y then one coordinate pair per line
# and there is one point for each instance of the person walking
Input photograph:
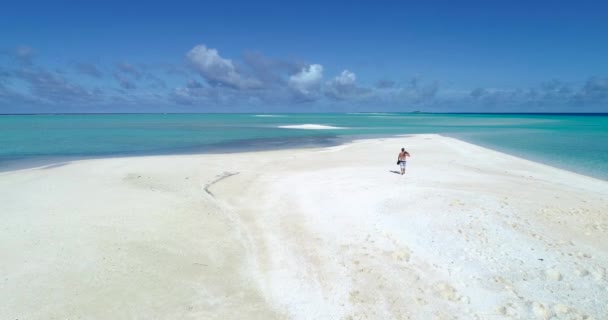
x,y
401,159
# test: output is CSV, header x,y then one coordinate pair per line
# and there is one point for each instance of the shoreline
x,y
43,162
24,163
247,146
327,233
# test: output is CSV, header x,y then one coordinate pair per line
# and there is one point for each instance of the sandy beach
x,y
320,233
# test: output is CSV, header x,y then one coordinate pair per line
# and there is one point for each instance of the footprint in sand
x,y
511,310
558,311
581,255
402,254
599,274
354,296
562,310
446,291
541,311
553,274
421,301
581,272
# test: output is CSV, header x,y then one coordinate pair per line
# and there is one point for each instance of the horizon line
x,y
248,113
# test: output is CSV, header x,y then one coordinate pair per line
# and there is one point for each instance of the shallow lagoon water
x,y
573,142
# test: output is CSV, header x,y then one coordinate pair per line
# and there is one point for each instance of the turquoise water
x,y
574,142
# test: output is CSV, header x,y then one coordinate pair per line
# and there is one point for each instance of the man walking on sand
x,y
401,159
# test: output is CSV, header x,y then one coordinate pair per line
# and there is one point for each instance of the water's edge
x,y
258,146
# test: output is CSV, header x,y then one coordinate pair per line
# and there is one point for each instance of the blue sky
x,y
454,56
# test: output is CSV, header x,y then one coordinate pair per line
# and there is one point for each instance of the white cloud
x,y
345,78
308,81
344,86
217,70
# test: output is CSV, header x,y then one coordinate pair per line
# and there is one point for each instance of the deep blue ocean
x,y
573,142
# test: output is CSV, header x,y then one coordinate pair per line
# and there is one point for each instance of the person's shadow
x,y
394,171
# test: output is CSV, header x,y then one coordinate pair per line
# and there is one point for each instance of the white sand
x,y
326,233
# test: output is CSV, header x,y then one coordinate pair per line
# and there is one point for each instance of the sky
x,y
305,56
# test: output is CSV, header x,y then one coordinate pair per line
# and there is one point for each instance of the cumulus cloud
x,y
595,89
193,84
492,98
129,69
88,69
553,96
419,92
385,84
193,95
29,85
52,87
175,69
13,99
271,72
307,82
124,82
155,81
478,93
214,82
217,70
346,78
344,87
130,76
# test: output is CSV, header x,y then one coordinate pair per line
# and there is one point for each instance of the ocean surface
x,y
573,142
